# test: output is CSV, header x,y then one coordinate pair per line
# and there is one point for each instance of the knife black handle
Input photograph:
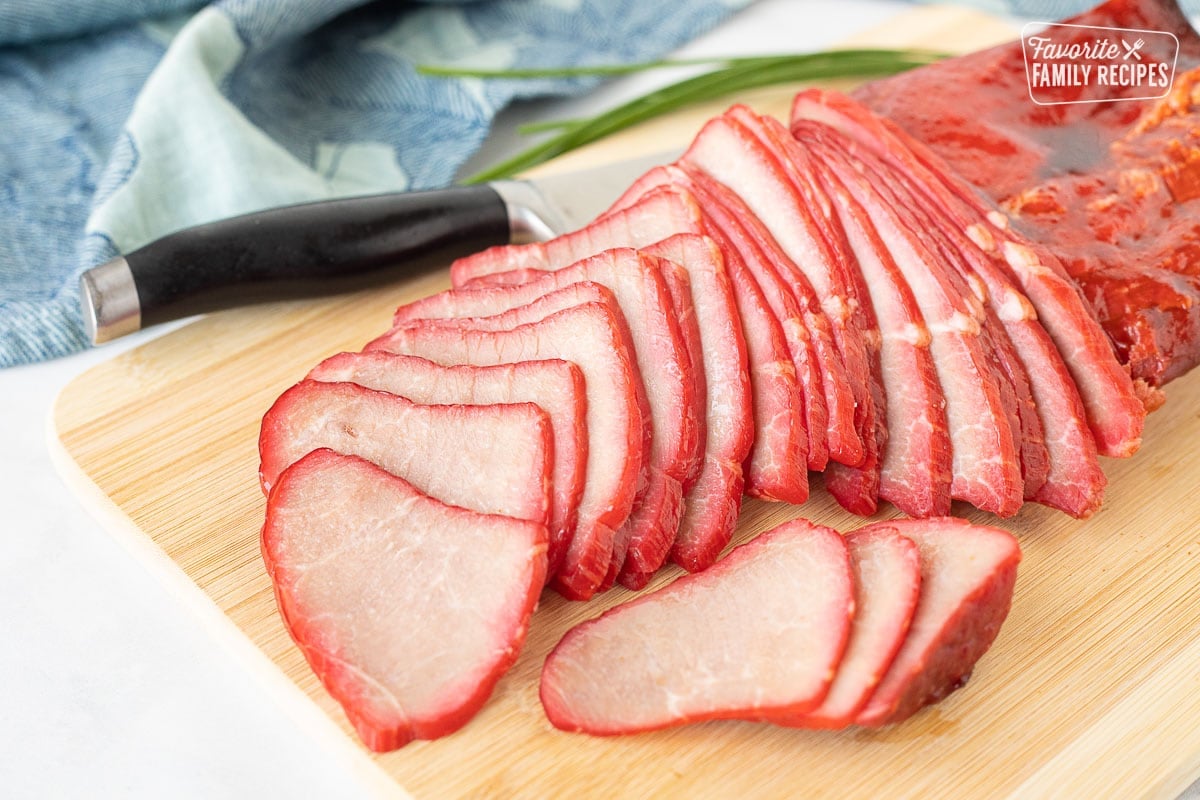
x,y
297,251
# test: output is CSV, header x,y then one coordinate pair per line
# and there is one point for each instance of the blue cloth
x,y
122,121
1046,10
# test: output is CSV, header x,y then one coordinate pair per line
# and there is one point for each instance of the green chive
x,y
733,75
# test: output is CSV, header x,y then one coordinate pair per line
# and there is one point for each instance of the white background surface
x,y
109,686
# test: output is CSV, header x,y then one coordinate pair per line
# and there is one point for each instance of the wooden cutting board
x,y
1092,689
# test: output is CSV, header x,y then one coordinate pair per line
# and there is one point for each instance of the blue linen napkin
x,y
120,123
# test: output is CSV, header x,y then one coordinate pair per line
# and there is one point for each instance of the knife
x,y
333,246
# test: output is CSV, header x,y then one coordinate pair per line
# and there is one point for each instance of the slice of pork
x,y
407,609
887,584
712,503
494,459
553,385
760,632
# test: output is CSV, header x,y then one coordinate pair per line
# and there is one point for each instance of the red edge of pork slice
x,y
333,488
953,626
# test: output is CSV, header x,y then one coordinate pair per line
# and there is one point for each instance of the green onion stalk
x,y
728,77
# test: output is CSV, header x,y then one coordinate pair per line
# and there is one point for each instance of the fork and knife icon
x,y
1131,50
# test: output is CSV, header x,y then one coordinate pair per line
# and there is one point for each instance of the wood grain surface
x,y
1092,689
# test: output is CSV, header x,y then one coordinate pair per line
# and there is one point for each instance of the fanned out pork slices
x,y
678,284
776,466
967,578
760,632
824,391
641,291
494,459
553,385
887,582
1073,480
650,484
407,609
711,505
1114,411
915,471
779,195
997,349
719,343
829,368
985,461
770,197
595,338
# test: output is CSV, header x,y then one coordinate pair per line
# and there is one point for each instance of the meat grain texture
x,y
408,610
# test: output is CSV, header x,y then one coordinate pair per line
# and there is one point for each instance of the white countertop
x,y
110,686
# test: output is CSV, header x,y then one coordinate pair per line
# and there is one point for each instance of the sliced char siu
x,y
985,463
759,632
553,385
650,485
712,503
1074,480
775,468
407,609
679,289
594,337
887,584
796,215
1114,411
915,470
967,578
494,459
809,253
1016,392
641,291
775,308
828,410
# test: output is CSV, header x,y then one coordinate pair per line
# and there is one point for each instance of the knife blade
x,y
332,246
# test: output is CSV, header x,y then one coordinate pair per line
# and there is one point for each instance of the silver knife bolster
x,y
531,217
108,298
